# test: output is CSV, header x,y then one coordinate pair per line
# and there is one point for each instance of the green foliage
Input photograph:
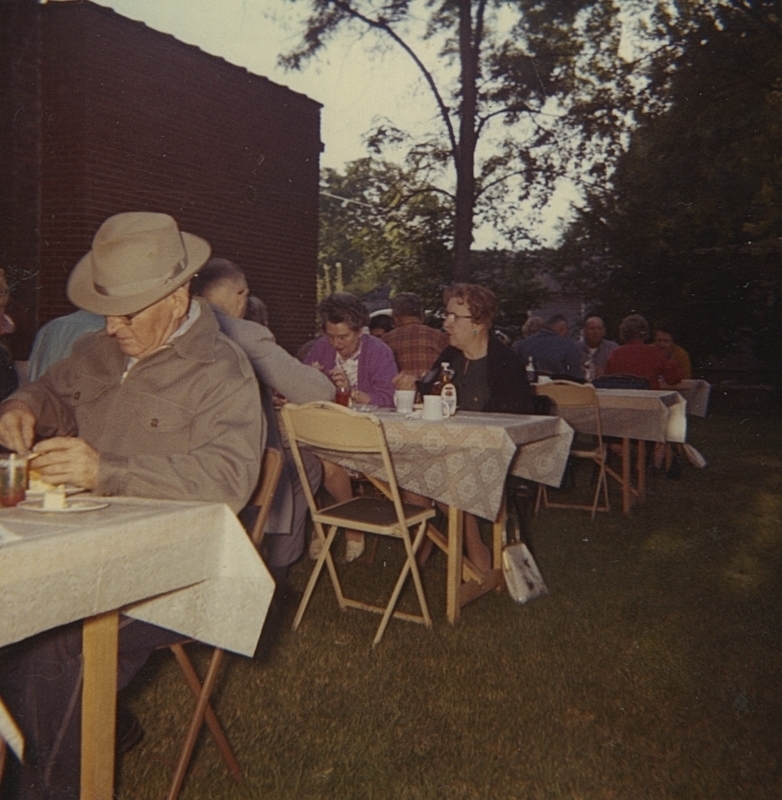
x,y
378,226
690,227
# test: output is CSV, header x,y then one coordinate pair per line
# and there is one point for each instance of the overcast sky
x,y
251,33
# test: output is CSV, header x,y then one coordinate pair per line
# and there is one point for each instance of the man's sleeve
x,y
280,371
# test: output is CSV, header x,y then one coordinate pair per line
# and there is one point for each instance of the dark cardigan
x,y
509,389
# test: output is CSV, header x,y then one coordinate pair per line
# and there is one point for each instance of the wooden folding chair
x,y
271,467
565,394
337,429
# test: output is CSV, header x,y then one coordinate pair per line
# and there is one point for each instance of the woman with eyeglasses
x,y
487,374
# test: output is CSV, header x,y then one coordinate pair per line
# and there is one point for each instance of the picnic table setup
x,y
462,462
185,566
638,416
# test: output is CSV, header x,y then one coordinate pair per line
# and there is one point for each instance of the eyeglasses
x,y
451,317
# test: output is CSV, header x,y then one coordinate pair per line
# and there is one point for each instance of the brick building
x,y
100,114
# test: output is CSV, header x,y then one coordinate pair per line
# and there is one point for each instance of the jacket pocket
x,y
156,415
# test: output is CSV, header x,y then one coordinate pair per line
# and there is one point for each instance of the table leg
x,y
627,488
99,706
455,555
641,469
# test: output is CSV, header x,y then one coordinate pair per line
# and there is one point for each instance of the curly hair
x,y
480,301
343,307
634,328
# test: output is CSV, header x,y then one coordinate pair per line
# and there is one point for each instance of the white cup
x,y
435,408
403,400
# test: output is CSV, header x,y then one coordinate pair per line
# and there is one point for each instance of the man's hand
x,y
17,426
404,381
66,459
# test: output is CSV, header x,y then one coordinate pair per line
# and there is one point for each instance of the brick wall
x,y
135,120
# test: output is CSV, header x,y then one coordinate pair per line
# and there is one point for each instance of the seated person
x,y
380,325
595,348
282,377
414,344
159,404
635,357
54,340
488,377
551,350
359,363
664,339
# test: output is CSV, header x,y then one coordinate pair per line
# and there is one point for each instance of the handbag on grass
x,y
522,576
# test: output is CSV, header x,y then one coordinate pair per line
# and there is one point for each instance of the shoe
x,y
316,545
353,550
129,730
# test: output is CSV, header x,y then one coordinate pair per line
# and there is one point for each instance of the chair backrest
x,y
620,380
569,395
329,426
271,469
566,394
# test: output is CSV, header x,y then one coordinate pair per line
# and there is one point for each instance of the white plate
x,y
74,506
33,494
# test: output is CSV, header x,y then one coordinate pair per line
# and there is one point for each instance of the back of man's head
x,y
407,304
558,324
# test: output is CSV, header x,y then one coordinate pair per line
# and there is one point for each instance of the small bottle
x,y
448,392
437,386
531,376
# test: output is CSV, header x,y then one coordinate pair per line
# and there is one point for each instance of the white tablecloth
x,y
645,414
696,392
186,566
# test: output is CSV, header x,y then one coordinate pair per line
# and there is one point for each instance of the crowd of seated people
x,y
201,325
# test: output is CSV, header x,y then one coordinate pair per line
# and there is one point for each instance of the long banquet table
x,y
462,462
186,566
643,415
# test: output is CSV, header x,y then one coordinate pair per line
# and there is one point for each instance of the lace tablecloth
x,y
463,461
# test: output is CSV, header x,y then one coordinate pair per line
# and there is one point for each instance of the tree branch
x,y
382,25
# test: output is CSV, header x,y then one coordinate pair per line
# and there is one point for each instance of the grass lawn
x,y
652,670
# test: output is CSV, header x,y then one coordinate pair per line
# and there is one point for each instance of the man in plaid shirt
x,y
415,346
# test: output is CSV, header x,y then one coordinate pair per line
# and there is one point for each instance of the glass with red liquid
x,y
13,480
343,396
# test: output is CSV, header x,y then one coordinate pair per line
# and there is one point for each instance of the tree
x,y
690,226
378,227
382,227
549,72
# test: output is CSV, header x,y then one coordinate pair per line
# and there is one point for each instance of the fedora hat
x,y
137,258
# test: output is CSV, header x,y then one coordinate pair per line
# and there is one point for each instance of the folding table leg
x,y
455,547
100,635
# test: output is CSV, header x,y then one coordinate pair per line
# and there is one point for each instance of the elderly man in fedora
x,y
159,404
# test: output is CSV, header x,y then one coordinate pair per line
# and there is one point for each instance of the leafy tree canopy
x,y
525,92
381,227
690,226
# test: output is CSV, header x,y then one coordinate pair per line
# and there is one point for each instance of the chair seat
x,y
373,515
